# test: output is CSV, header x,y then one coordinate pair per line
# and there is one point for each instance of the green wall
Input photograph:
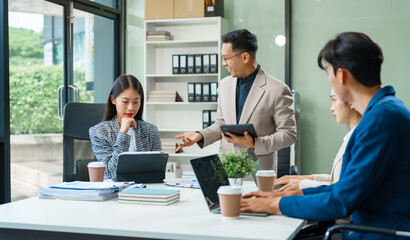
x,y
314,22
135,35
266,19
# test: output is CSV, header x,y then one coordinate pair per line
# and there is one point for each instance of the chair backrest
x,y
81,169
78,118
290,156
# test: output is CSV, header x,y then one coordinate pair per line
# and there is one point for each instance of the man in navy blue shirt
x,y
374,184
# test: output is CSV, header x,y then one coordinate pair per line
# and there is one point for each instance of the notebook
x,y
211,175
150,196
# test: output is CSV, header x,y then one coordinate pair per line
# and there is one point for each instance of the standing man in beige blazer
x,y
249,95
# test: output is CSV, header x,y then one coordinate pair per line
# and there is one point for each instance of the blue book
x,y
148,193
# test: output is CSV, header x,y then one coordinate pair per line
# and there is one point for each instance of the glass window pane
x,y
36,72
93,56
108,3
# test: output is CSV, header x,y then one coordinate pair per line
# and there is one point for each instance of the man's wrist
x,y
200,136
275,204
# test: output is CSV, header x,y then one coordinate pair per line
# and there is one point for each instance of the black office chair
x,y
288,157
78,118
293,170
81,169
365,229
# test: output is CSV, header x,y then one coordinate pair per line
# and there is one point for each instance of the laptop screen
x,y
210,175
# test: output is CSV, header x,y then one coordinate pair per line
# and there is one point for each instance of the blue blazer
x,y
108,142
374,182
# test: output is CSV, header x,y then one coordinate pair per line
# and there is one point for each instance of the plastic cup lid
x,y
266,173
96,164
229,190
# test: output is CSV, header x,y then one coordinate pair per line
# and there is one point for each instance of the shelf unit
x,y
190,36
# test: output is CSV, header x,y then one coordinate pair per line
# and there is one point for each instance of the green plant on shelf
x,y
237,165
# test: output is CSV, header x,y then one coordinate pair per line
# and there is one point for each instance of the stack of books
x,y
158,36
164,96
78,190
150,196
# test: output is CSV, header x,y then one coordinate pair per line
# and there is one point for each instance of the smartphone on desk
x,y
238,129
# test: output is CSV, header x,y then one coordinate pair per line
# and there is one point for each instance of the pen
x,y
187,185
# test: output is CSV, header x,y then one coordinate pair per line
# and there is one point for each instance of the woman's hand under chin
x,y
127,123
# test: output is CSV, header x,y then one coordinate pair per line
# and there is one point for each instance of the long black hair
x,y
121,84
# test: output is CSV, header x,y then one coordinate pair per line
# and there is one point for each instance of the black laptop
x,y
211,175
142,167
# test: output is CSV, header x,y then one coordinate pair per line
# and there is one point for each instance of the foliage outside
x,y
33,86
237,165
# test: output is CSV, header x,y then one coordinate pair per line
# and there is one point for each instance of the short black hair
x,y
242,40
355,52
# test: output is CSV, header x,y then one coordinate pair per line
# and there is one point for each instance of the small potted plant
x,y
237,166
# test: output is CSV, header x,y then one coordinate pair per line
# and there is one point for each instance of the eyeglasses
x,y
226,59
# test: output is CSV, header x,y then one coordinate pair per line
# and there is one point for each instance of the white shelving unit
x,y
190,36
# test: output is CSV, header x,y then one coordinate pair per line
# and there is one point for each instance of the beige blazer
x,y
268,107
326,179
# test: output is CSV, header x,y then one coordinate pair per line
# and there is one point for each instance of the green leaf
x,y
237,165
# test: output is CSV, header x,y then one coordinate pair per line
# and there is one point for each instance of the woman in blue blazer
x,y
122,128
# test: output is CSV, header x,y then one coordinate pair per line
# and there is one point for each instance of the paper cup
x,y
230,200
266,179
96,171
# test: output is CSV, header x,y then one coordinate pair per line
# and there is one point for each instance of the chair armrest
x,y
359,228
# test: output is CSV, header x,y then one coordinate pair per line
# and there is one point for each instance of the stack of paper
x,y
158,36
170,147
149,196
78,190
164,96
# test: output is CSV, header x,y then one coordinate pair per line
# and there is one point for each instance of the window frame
x,y
117,15
5,194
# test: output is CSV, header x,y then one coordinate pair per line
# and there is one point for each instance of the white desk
x,y
188,219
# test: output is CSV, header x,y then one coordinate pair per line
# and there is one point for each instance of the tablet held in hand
x,y
238,129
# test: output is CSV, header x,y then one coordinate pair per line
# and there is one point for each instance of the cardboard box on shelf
x,y
159,9
189,8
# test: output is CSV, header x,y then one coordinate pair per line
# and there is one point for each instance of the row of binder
x,y
195,64
202,92
208,118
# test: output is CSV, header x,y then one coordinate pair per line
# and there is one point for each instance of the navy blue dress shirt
x,y
243,87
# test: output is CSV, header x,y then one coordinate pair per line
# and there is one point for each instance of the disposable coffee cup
x,y
266,179
230,200
96,171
